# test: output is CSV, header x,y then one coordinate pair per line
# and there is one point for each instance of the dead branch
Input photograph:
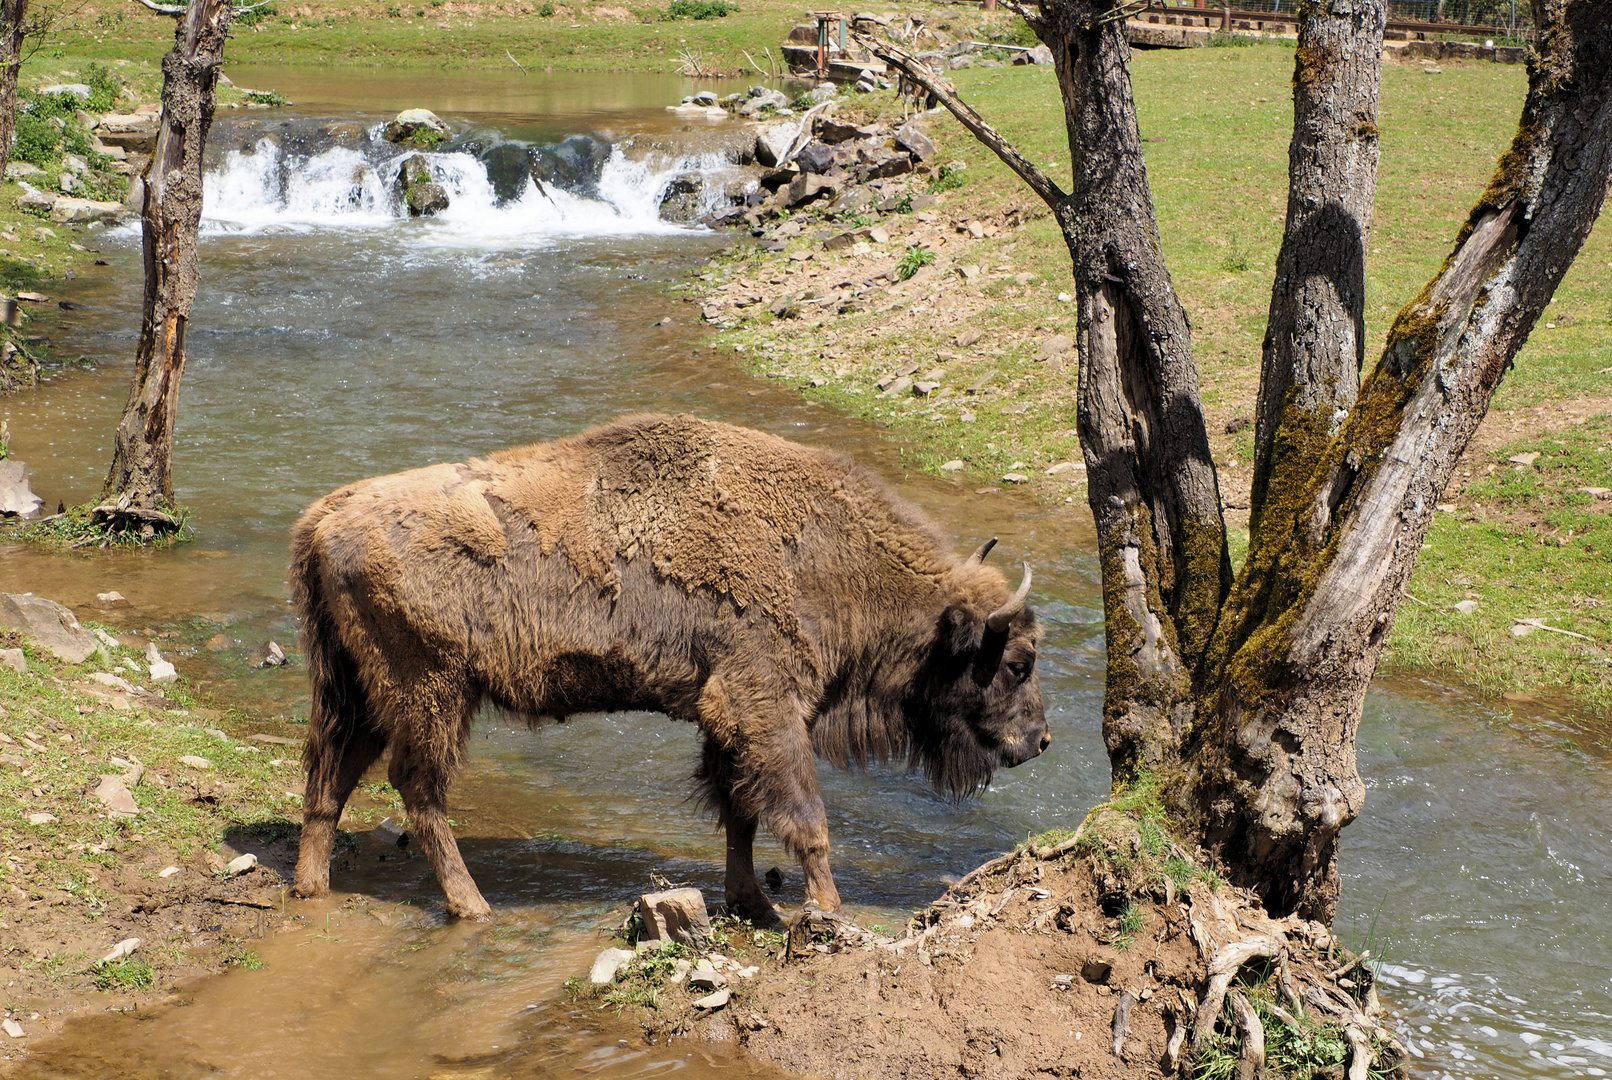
x,y
1122,1020
1251,1062
919,72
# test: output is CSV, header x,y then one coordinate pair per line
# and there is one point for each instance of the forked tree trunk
x,y
13,33
1248,698
139,486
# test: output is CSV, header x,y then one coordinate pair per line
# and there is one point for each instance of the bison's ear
x,y
961,630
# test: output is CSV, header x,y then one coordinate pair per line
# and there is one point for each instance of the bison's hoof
x,y
471,913
308,891
759,912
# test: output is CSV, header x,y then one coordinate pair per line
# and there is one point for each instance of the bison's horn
x,y
980,552
999,619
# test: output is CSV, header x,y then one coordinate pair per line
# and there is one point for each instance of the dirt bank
x,y
1109,953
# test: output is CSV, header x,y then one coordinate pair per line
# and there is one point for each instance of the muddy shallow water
x,y
334,341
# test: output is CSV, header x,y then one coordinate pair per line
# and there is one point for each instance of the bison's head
x,y
976,704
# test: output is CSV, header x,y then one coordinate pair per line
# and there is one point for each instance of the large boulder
x,y
915,142
68,211
814,157
50,624
574,165
16,497
424,200
416,127
34,199
809,187
134,132
509,166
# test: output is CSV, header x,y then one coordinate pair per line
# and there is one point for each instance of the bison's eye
x,y
1021,669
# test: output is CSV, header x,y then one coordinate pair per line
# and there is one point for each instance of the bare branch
x,y
946,94
162,9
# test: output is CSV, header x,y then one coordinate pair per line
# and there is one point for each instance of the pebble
x,y
241,864
968,337
714,1001
1467,607
42,818
195,762
607,965
1014,478
12,1028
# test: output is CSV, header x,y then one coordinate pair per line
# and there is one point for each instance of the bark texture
x,y
1249,698
13,33
1305,626
1315,336
139,486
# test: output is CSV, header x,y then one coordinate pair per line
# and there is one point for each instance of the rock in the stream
x,y
267,655
116,797
110,599
17,499
675,915
391,833
608,964
425,200
416,127
48,623
681,199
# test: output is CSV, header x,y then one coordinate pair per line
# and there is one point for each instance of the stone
x,y
899,387
1467,607
675,915
106,678
833,133
425,200
42,818
681,199
168,871
417,127
34,199
275,740
1014,478
815,157
391,833
509,168
773,142
714,1001
1524,459
15,660
194,762
608,964
915,142
12,1028
968,337
115,795
21,170
1066,468
48,623
75,164
706,976
878,235
14,760
110,599
844,240
1596,492
1038,55
219,643
268,655
241,864
78,90
66,211
122,949
953,465
808,187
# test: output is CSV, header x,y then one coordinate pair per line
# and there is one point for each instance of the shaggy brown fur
x,y
774,594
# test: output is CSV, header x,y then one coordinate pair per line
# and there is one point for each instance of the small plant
x,y
267,97
253,15
700,9
395,11
546,11
235,954
104,88
950,177
642,980
915,259
1225,39
125,975
1237,259
905,205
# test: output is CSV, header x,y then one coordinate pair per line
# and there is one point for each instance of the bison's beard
x,y
954,761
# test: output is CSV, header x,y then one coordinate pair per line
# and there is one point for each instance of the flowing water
x,y
335,338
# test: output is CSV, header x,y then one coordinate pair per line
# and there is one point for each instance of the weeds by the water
x,y
641,982
81,527
129,974
1297,1047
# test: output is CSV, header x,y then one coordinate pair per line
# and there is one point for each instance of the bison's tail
x,y
338,707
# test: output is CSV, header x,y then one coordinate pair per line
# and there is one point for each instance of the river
x,y
334,339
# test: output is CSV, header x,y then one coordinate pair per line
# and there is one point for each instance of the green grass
x,y
126,975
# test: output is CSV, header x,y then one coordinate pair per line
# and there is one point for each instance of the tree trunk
x,y
139,486
1247,696
13,33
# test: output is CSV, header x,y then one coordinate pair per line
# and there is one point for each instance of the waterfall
x,y
594,189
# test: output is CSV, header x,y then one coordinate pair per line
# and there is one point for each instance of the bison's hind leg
x,y
423,762
336,761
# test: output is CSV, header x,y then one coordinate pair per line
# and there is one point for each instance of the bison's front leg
x,y
793,807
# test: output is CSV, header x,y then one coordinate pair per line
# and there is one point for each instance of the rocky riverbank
x,y
146,836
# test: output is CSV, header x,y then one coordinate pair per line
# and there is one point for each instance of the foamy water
x,y
265,188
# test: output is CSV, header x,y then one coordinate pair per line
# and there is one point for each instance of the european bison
x,y
774,594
